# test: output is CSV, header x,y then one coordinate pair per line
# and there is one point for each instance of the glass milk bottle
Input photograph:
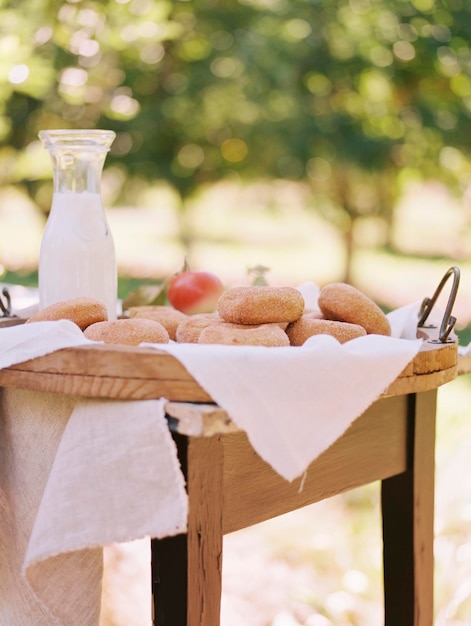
x,y
77,256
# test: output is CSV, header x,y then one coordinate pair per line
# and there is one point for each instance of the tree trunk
x,y
349,239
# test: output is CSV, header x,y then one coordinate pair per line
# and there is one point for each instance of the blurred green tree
x,y
350,97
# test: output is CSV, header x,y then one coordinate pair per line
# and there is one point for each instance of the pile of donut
x,y
252,315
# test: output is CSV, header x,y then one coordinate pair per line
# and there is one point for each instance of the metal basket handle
x,y
448,321
5,306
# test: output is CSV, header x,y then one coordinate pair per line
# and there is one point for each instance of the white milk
x,y
77,256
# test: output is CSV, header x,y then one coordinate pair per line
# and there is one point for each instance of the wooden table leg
x,y
408,518
169,561
187,569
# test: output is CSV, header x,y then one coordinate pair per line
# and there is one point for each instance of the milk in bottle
x,y
77,256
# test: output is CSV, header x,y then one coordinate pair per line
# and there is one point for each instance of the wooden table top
x,y
125,372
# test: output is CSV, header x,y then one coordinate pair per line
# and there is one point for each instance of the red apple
x,y
194,292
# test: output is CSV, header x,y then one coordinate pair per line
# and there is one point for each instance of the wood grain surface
x,y
126,372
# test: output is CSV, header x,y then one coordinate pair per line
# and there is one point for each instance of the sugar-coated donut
x,y
190,329
309,325
169,317
129,332
270,335
345,303
260,305
81,311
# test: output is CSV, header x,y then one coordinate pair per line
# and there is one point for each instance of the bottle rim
x,y
77,138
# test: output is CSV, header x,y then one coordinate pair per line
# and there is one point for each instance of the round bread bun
x,y
269,335
81,311
345,303
309,325
169,317
130,332
260,305
190,329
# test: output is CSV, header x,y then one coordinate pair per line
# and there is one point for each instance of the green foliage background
x,y
351,98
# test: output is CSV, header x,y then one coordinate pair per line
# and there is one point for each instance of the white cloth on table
x,y
293,403
75,475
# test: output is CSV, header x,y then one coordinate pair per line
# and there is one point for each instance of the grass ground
x,y
320,566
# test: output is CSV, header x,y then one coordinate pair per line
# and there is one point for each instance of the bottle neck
x,y
77,171
78,157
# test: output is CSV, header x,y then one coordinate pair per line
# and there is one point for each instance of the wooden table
x,y
230,487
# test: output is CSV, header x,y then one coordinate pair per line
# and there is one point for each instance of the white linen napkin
x,y
115,478
294,403
76,475
29,341
403,321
